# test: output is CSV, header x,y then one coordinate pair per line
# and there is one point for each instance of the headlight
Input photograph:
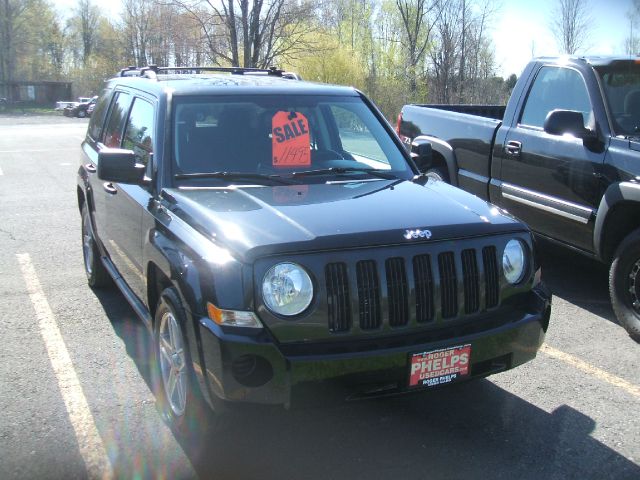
x,y
287,289
514,261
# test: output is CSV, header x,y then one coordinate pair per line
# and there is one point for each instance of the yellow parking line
x,y
89,441
591,370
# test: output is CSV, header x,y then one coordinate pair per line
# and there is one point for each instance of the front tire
x,y
624,284
176,387
438,173
97,275
82,114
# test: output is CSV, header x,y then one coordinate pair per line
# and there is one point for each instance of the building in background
x,y
35,93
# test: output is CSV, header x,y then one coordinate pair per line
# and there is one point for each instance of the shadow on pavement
x,y
477,430
473,430
129,328
576,278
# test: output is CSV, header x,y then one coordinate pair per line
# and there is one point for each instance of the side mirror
x,y
559,122
422,154
119,165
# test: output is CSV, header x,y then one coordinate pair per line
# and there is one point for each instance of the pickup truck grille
x,y
462,283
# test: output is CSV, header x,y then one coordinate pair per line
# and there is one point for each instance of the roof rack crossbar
x,y
126,70
152,71
232,70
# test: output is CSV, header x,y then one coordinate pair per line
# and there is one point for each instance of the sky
x,y
520,29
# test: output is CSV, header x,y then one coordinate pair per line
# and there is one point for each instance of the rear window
x,y
621,85
269,134
99,114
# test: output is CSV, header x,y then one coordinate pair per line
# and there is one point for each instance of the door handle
x,y
110,188
513,148
91,168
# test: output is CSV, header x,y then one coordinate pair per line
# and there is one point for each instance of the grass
x,y
13,110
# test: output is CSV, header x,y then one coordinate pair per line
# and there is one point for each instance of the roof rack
x,y
152,71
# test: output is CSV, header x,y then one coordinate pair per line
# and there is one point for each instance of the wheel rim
x,y
87,246
172,363
435,175
634,286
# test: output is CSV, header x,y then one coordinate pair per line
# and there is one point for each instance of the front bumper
x,y
256,369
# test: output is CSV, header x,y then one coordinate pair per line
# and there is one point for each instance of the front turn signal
x,y
232,318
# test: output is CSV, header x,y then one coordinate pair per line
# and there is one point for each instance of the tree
x,y
632,42
83,31
32,41
572,25
12,20
137,25
253,33
418,20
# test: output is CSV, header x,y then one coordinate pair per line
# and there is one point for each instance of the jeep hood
x,y
253,221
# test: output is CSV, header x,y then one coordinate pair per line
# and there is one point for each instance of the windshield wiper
x,y
234,176
344,170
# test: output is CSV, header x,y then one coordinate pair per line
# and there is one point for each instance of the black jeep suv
x,y
274,235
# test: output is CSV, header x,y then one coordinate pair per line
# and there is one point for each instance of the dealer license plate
x,y
439,367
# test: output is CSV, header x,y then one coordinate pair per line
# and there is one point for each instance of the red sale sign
x,y
290,141
440,366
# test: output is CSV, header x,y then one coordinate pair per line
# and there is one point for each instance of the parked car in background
x,y
61,105
80,109
563,156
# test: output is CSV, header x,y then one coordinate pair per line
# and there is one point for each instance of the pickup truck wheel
x,y
82,114
438,173
624,284
176,388
97,275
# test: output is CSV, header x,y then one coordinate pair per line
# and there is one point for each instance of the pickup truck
x,y
271,235
563,156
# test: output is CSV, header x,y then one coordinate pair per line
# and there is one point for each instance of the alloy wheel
x,y
172,363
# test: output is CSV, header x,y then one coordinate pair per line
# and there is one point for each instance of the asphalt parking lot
x,y
75,387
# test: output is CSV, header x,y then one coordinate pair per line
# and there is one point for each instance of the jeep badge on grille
x,y
415,234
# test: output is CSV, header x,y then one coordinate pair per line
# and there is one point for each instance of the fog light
x,y
251,370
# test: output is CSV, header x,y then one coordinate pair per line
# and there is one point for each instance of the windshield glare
x,y
275,135
621,86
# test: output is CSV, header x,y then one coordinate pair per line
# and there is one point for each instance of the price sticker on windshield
x,y
290,143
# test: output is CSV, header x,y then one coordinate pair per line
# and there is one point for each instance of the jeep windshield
x,y
244,139
621,86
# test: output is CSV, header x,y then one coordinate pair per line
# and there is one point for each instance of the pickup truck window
x,y
555,88
138,135
117,118
621,87
356,138
241,134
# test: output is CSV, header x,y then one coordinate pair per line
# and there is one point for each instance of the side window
x,y
138,135
99,114
117,116
355,136
555,88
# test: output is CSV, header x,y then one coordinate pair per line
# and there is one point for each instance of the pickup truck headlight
x,y
287,289
514,261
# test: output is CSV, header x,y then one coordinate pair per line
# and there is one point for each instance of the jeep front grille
x,y
398,295
491,276
463,283
448,284
424,288
338,305
368,294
